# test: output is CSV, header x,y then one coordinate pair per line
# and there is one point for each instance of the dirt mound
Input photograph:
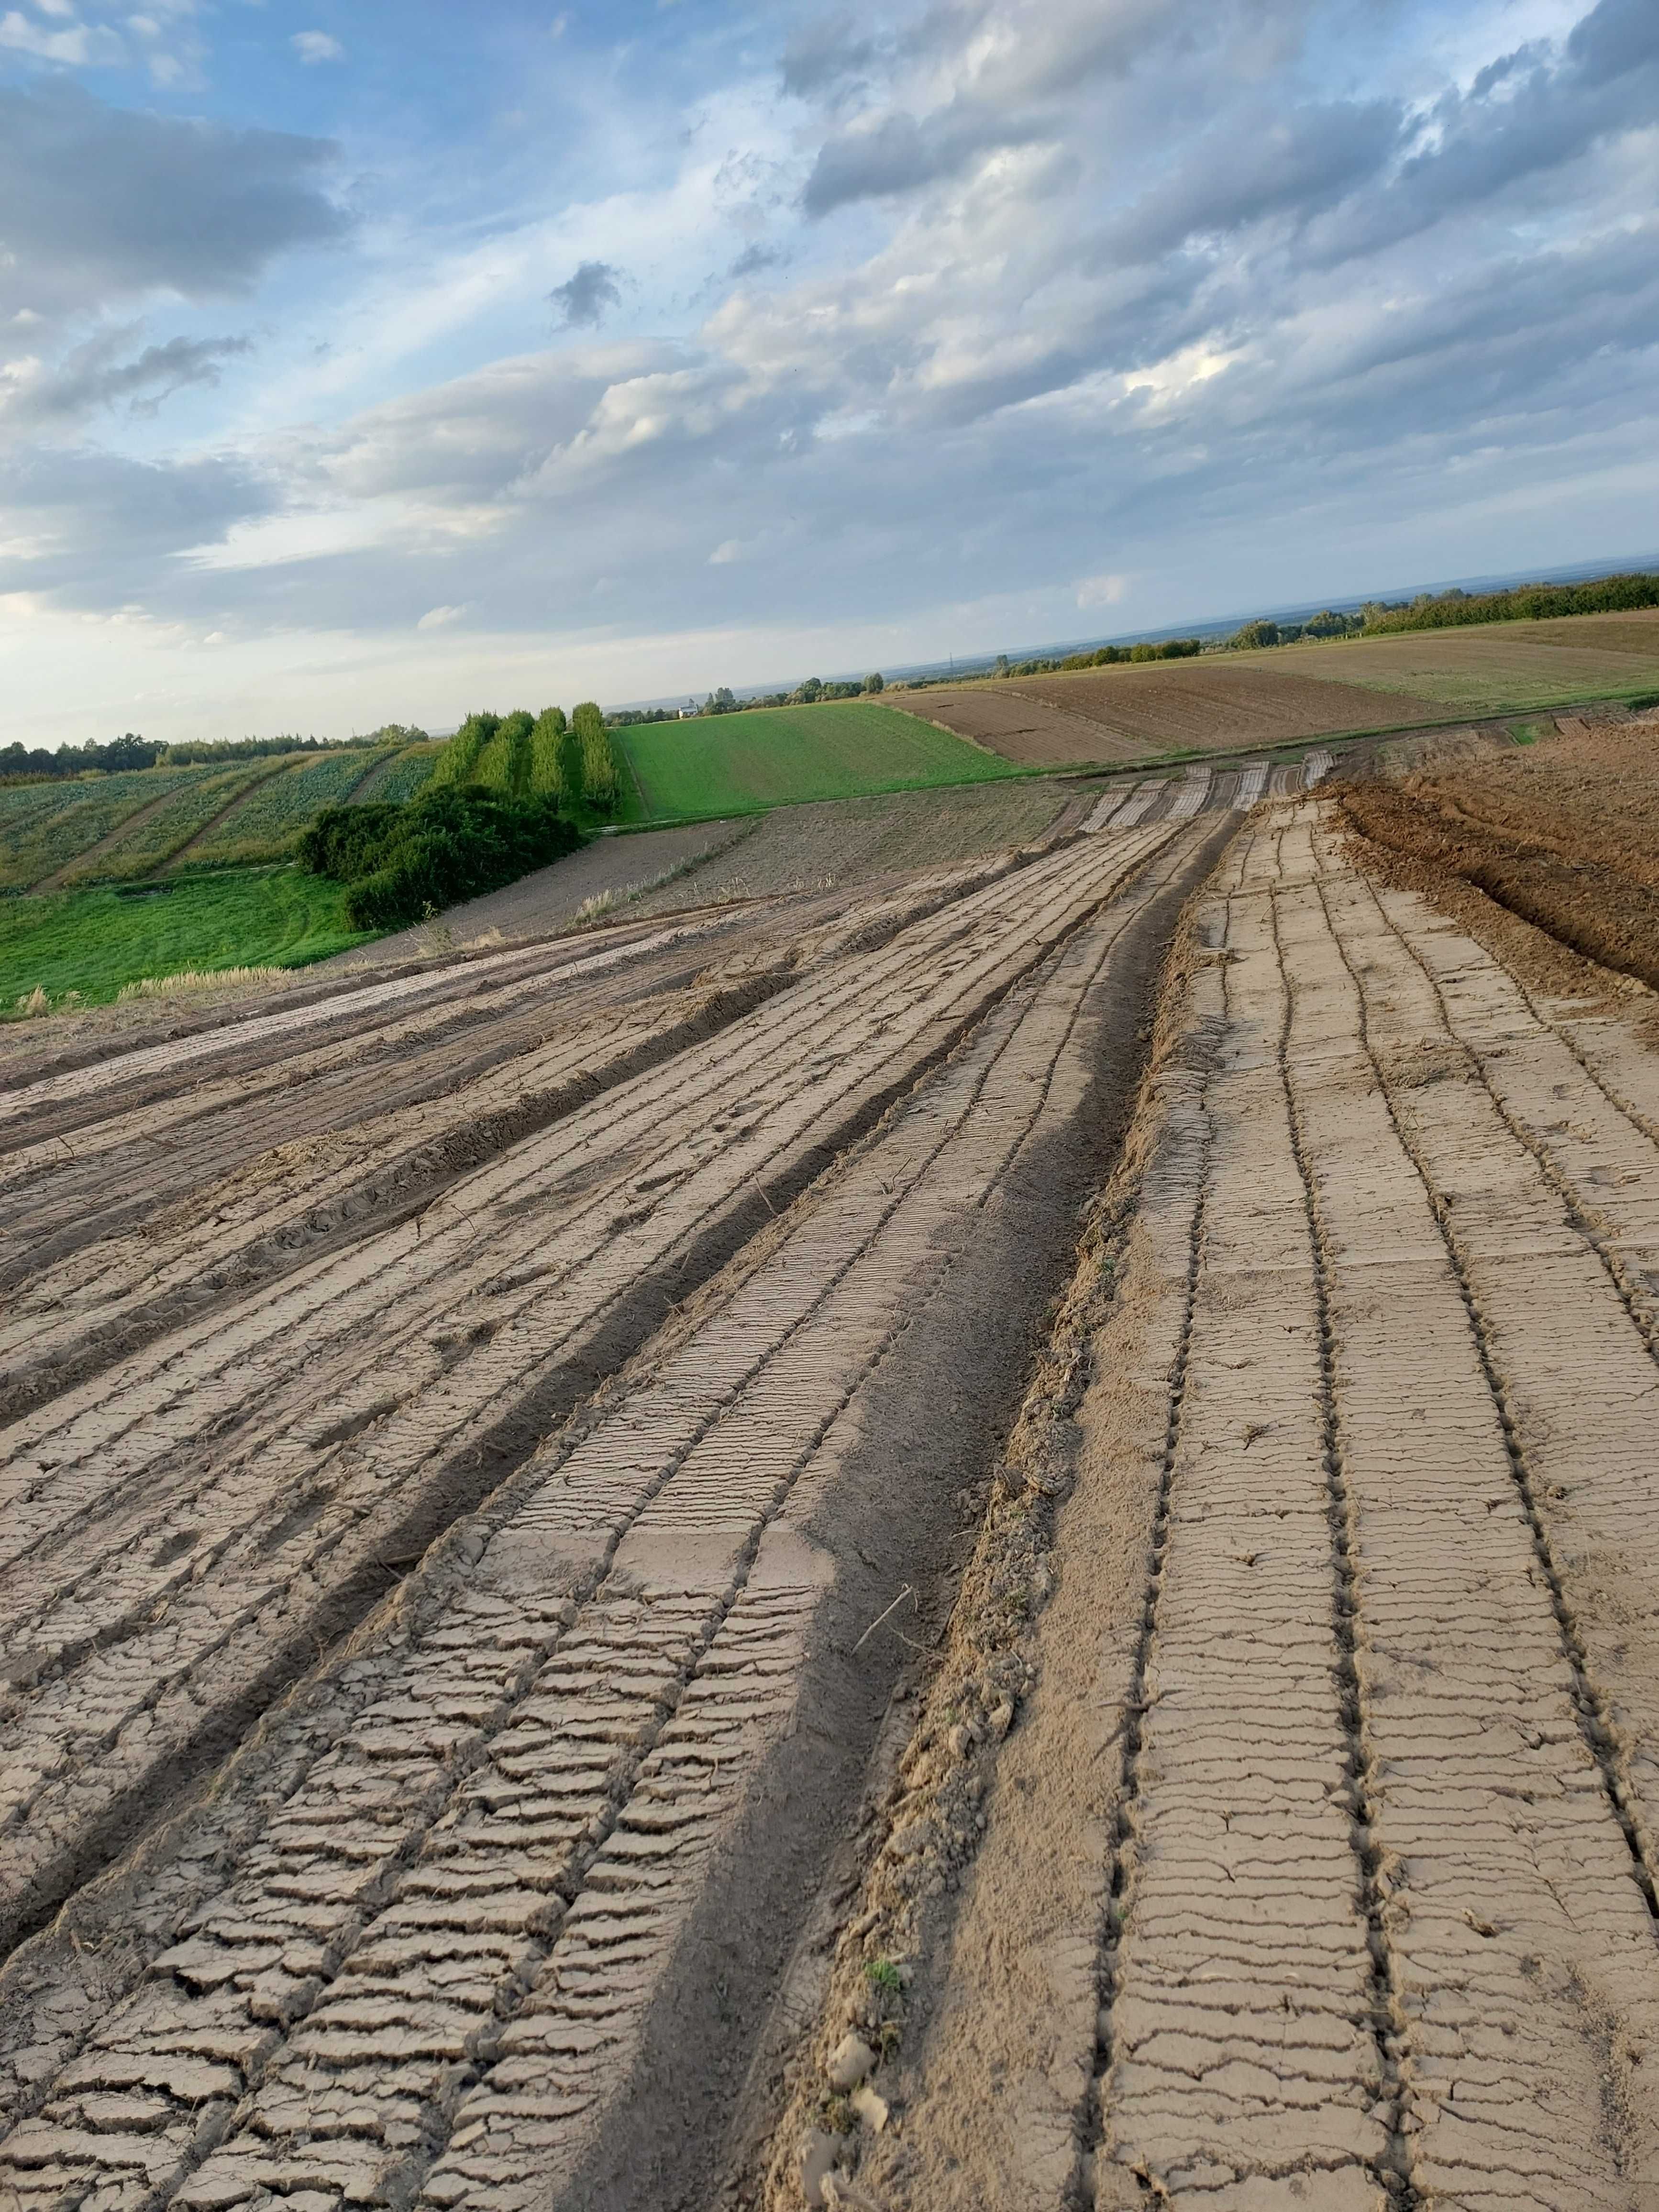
x,y
1563,835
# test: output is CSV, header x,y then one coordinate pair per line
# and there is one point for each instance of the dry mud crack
x,y
504,1708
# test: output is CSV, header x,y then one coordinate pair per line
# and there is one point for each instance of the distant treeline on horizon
x,y
1621,593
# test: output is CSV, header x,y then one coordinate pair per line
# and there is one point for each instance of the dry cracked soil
x,y
985,1540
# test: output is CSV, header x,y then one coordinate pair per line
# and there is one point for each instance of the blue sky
x,y
361,363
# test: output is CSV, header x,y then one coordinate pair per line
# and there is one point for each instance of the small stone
x,y
850,2061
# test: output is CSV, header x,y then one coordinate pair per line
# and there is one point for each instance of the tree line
x,y
21,763
1603,595
570,759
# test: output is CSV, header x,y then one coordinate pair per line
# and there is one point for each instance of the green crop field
x,y
152,836
776,756
93,941
403,774
44,826
279,806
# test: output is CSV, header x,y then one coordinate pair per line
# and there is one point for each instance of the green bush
x,y
401,862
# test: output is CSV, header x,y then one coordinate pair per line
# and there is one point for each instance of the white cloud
x,y
439,617
1101,590
81,46
313,47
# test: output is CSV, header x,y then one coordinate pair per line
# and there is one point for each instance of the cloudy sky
x,y
362,362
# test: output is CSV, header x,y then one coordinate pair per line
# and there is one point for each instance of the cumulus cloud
x,y
313,47
584,299
1101,590
1151,283
77,46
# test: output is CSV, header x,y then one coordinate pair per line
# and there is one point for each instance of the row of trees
x,y
21,763
572,760
726,702
1603,595
1323,624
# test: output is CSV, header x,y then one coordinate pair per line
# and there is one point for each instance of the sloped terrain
x,y
461,1427
588,1623
1303,1850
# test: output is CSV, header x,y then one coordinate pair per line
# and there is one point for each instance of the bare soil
x,y
974,1535
1279,1827
1108,715
1565,834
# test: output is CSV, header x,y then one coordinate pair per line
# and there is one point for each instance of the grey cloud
x,y
584,298
1526,118
752,260
822,55
98,203
106,523
899,153
91,377
1296,163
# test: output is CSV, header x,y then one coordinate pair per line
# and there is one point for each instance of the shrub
x,y
1254,634
451,843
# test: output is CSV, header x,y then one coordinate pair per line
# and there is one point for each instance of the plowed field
x,y
581,1630
1111,714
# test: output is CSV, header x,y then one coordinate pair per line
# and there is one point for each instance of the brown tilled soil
x,y
578,1632
1565,834
1110,714
1279,1826
524,1384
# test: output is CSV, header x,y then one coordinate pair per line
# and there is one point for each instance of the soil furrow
x,y
1571,1448
430,1252
664,1554
214,1616
1523,1946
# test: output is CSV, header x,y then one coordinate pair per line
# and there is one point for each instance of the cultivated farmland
x,y
262,825
775,755
1222,703
965,1527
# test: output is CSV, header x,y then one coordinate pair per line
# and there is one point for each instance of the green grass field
x,y
776,756
93,941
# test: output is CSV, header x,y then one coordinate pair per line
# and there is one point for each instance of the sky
x,y
363,363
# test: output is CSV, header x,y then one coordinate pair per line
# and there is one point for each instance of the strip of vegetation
x,y
1605,595
520,757
401,861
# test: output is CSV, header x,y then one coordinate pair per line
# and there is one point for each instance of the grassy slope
x,y
777,756
93,941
